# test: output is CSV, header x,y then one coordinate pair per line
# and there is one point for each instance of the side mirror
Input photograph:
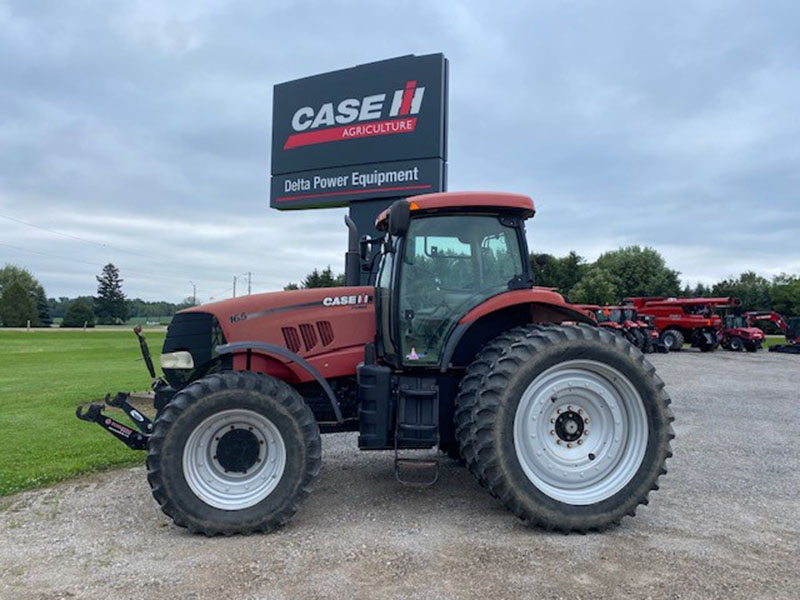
x,y
542,259
399,218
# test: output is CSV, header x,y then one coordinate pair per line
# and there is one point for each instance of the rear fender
x,y
499,314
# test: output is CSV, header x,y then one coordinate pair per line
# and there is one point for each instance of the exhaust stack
x,y
352,260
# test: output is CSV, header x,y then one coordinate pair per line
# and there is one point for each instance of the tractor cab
x,y
735,321
793,330
439,261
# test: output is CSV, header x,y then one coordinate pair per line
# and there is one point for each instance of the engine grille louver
x,y
291,338
325,332
308,335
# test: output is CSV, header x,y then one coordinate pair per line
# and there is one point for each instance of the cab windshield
x,y
732,321
450,265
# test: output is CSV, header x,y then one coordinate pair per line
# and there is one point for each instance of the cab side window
x,y
451,264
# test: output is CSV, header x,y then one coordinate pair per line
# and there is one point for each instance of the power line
x,y
101,244
95,265
74,237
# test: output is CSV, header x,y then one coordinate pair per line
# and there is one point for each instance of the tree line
x,y
615,275
23,300
631,271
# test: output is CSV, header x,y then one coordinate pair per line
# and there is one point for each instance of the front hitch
x,y
93,413
130,437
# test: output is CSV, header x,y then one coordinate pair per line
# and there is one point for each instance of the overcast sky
x,y
143,129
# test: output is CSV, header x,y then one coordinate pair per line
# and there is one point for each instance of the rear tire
x,y
673,340
510,444
233,453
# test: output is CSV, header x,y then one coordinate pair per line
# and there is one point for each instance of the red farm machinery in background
x,y
685,320
625,321
790,328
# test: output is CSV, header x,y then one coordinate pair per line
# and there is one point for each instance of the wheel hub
x,y
569,426
237,450
234,459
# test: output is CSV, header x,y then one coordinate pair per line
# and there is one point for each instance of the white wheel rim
x,y
599,403
205,472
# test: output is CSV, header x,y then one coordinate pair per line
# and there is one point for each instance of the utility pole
x,y
249,278
194,293
234,286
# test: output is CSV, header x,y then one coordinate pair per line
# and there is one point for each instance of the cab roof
x,y
453,201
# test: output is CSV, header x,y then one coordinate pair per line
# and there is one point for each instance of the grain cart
x,y
564,423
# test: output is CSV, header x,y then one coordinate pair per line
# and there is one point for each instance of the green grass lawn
x,y
44,375
774,340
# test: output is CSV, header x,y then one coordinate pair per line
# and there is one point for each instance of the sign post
x,y
361,137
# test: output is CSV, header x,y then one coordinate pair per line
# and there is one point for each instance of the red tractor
x,y
625,321
790,329
682,320
738,334
564,423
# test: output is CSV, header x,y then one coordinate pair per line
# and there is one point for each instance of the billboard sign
x,y
374,131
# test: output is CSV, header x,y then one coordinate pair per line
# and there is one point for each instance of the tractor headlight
x,y
177,360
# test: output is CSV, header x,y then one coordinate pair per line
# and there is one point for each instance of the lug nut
x,y
569,445
580,411
552,432
552,420
586,420
558,410
580,442
558,442
585,432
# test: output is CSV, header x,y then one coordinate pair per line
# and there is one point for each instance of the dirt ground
x,y
724,524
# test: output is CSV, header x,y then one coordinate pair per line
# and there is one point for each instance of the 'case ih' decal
x,y
365,110
346,300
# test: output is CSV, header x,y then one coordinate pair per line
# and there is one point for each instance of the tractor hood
x,y
748,333
328,327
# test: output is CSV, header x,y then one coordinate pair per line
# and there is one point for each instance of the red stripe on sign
x,y
408,94
369,191
348,132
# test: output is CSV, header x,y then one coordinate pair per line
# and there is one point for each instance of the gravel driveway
x,y
723,525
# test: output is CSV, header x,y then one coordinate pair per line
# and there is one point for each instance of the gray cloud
x,y
145,126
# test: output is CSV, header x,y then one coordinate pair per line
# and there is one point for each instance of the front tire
x,y
532,416
233,453
735,344
673,340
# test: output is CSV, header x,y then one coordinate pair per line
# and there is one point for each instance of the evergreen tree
x,y
318,279
78,313
43,308
109,305
17,306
